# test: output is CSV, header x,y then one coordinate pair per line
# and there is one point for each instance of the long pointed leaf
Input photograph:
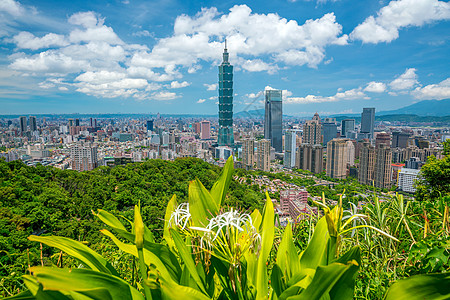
x,y
186,257
325,280
87,282
171,206
267,234
87,256
287,257
201,204
418,287
166,268
220,188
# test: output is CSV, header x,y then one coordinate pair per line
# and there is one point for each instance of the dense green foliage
x,y
46,200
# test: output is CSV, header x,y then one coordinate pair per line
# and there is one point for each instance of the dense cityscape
x,y
283,193
387,155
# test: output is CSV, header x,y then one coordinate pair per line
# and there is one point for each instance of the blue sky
x,y
161,56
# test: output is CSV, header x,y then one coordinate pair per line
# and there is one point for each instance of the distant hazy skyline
x,y
131,56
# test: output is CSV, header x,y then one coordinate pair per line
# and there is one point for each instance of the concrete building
x,y
347,125
383,138
263,155
310,157
350,153
295,204
368,121
383,167
23,124
400,139
312,131
205,132
366,164
406,179
32,122
290,146
273,119
337,156
329,130
149,125
248,153
84,157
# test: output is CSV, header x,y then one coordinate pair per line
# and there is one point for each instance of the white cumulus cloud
x,y
177,85
201,100
375,87
405,81
353,94
211,87
27,40
433,91
399,14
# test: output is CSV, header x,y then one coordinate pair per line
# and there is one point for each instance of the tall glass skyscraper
x,y
273,129
225,137
368,121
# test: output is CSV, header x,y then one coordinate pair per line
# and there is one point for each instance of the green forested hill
x,y
46,200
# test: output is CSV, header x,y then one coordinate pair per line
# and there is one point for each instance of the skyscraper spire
x,y
225,136
225,53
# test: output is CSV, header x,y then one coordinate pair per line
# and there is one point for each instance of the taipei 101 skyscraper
x,y
225,137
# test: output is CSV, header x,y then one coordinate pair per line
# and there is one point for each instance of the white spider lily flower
x,y
229,219
180,216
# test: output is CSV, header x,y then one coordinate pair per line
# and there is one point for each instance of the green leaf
x,y
111,221
256,218
287,257
326,278
418,287
346,287
153,256
88,257
186,257
267,234
315,253
90,283
220,187
170,290
171,206
201,204
276,280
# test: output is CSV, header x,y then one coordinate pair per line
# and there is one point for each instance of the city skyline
x,y
134,56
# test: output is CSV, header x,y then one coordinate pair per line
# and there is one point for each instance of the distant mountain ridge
x,y
438,108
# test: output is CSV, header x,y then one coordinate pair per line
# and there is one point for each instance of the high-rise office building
x,y
32,122
91,122
205,130
366,164
273,120
310,157
77,122
383,166
263,155
84,157
197,128
347,125
149,125
312,131
350,153
23,124
225,136
383,138
368,121
248,153
290,146
400,139
337,156
329,130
